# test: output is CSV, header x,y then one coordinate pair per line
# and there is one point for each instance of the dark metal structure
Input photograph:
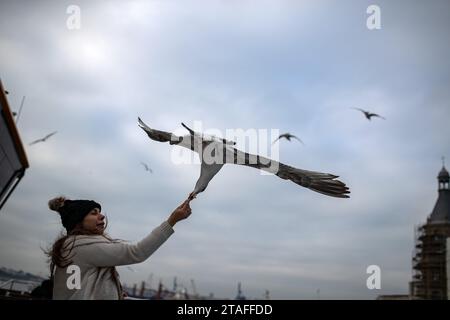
x,y
13,160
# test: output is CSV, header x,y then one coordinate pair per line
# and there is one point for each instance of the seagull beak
x,y
192,196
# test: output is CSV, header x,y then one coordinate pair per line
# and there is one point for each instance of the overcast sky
x,y
295,66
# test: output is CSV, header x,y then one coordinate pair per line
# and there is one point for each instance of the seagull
x,y
369,114
43,139
147,168
288,137
212,148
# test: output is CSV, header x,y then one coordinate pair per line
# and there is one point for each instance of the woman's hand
x,y
180,213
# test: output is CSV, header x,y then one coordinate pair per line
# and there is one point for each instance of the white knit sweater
x,y
95,256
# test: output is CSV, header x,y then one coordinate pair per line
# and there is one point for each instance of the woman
x,y
83,261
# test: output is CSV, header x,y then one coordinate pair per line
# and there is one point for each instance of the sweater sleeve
x,y
109,254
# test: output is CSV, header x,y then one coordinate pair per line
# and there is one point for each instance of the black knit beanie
x,y
73,212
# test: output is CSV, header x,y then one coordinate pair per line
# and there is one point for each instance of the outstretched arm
x,y
103,253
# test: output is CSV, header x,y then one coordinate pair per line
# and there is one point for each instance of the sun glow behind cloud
x,y
87,51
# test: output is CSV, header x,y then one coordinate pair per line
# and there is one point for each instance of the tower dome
x,y
441,210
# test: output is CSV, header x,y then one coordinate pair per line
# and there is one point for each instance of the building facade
x,y
448,269
430,258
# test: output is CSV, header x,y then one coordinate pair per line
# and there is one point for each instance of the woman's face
x,y
94,221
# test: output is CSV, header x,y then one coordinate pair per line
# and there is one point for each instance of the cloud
x,y
293,66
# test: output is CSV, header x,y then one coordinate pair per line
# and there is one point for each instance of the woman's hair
x,y
56,203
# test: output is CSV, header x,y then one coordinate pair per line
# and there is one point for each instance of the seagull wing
x,y
192,132
377,115
49,135
297,139
35,141
276,139
366,113
324,183
145,165
161,136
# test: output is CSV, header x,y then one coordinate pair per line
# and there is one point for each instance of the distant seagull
x,y
288,137
147,168
210,148
43,139
369,114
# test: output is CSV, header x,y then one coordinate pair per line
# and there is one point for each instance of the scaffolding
x,y
429,279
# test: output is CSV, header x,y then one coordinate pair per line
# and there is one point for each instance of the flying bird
x,y
43,139
369,114
288,137
215,152
147,168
